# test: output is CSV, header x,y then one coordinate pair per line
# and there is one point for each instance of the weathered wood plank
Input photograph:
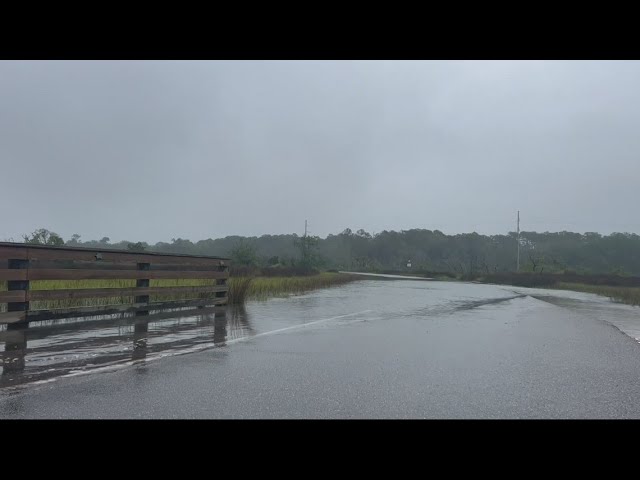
x,y
186,266
39,315
13,274
82,274
80,265
13,296
13,252
65,263
101,265
107,256
33,295
57,252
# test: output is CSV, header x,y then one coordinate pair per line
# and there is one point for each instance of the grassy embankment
x,y
241,288
615,287
628,295
261,288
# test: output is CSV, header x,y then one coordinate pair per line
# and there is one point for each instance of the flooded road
x,y
369,349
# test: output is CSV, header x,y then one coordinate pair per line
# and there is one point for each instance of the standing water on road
x,y
48,350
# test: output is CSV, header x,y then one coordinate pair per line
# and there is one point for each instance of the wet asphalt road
x,y
380,349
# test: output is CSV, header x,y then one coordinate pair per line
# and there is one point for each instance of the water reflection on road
x,y
51,349
48,350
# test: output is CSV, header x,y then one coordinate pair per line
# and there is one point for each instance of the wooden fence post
x,y
142,283
18,285
221,309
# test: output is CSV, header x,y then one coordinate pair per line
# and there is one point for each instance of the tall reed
x,y
238,289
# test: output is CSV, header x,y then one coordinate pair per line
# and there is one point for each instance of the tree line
x,y
426,250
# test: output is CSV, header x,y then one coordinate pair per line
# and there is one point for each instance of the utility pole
x,y
518,237
304,244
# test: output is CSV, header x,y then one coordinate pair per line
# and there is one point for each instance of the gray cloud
x,y
155,150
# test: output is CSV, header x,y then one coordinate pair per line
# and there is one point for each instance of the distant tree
x,y
244,253
275,260
137,247
43,236
182,245
535,260
470,254
308,245
75,240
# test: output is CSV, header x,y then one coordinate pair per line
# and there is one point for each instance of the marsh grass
x,y
262,288
103,301
240,289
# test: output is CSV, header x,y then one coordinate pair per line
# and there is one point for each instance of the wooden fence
x,y
22,266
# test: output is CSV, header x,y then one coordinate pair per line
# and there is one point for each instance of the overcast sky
x,y
156,150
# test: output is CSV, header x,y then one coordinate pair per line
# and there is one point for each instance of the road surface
x,y
370,349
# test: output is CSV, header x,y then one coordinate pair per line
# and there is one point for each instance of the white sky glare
x,y
152,150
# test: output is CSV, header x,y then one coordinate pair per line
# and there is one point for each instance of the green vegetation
x,y
238,289
43,236
137,247
628,295
308,248
624,289
429,250
261,288
244,254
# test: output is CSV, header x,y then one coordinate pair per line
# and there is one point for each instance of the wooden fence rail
x,y
21,264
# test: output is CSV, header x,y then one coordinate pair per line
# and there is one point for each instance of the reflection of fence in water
x,y
13,357
238,321
53,348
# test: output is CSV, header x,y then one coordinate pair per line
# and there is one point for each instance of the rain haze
x,y
435,239
153,150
